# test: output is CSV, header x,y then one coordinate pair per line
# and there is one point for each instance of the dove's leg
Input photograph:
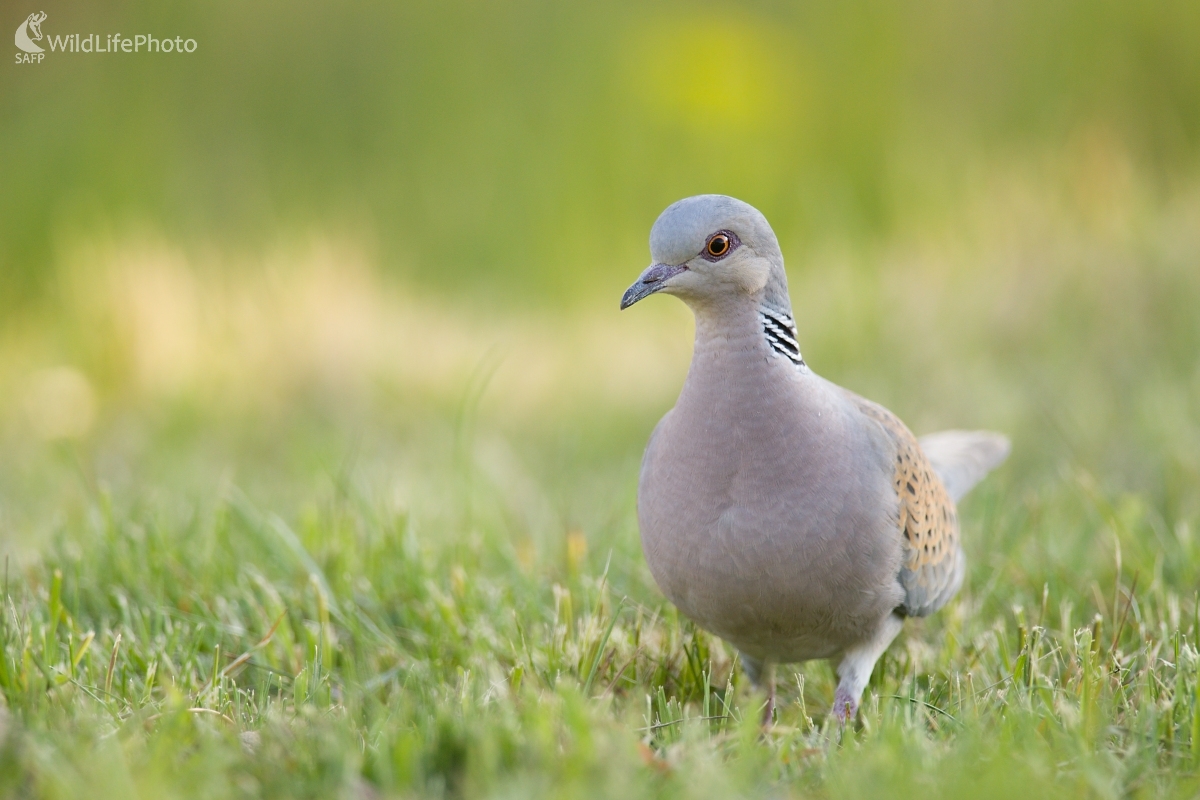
x,y
762,674
856,666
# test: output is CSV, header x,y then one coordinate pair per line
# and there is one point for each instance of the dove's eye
x,y
718,245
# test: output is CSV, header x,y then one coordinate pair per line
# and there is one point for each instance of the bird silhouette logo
x,y
30,32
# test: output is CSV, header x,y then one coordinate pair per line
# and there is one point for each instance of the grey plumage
x,y
783,513
963,458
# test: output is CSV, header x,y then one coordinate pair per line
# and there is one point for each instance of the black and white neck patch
x,y
780,330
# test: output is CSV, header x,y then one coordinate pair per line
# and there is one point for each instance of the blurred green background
x,y
334,217
523,148
988,210
351,271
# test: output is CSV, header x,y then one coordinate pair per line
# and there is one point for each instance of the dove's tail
x,y
962,458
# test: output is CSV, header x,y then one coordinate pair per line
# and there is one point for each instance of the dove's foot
x,y
768,718
845,706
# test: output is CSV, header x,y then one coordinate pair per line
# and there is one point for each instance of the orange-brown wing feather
x,y
933,566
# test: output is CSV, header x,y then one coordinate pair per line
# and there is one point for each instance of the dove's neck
x,y
740,335
744,324
746,374
779,331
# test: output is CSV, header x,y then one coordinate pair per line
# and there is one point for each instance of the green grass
x,y
209,648
319,429
264,576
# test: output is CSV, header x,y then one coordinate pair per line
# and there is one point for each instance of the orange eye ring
x,y
718,245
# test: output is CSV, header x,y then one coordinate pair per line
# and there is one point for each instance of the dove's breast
x,y
767,512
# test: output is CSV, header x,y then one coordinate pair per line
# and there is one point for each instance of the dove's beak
x,y
654,278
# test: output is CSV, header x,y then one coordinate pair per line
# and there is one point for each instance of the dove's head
x,y
713,251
